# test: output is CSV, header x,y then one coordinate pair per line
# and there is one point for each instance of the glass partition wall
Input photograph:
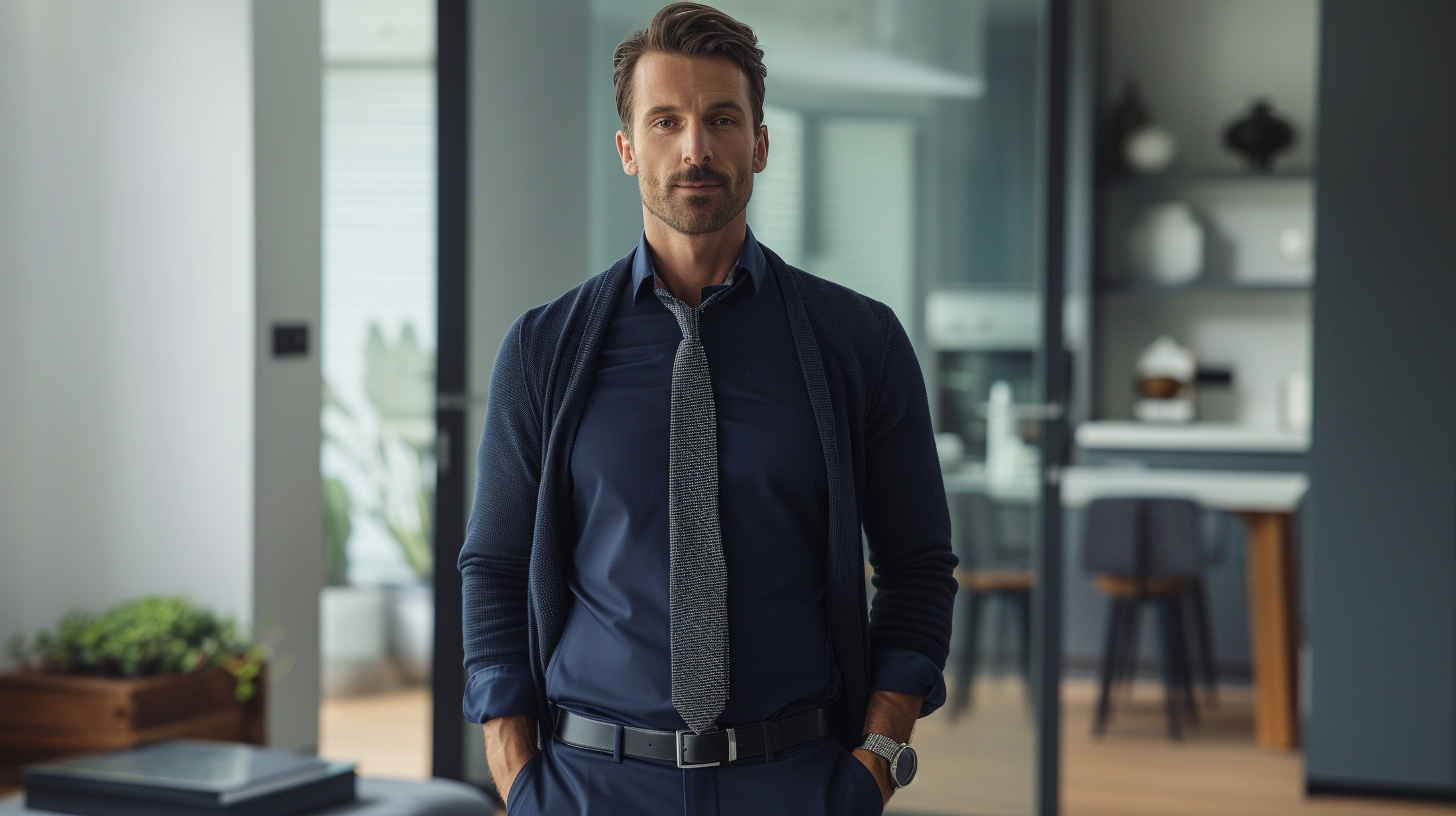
x,y
908,153
378,355
905,162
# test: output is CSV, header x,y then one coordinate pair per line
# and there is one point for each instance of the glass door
x,y
908,161
913,156
378,358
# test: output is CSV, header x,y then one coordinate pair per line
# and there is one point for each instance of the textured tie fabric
x,y
697,575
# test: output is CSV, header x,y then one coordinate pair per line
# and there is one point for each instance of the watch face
x,y
904,767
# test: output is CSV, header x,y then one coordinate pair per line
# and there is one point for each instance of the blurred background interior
x,y
256,257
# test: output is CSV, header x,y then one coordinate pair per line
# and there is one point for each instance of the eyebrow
x,y
727,104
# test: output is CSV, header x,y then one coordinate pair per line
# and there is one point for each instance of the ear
x,y
760,149
624,150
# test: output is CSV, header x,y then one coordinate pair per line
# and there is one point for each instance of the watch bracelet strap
x,y
880,744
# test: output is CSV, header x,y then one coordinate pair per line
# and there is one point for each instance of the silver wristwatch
x,y
902,759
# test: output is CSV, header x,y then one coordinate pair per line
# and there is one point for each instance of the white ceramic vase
x,y
1167,243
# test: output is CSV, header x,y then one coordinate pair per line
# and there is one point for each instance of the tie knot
x,y
687,316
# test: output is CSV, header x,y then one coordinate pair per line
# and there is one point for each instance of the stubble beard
x,y
696,214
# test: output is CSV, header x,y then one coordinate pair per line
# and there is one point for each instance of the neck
x,y
689,263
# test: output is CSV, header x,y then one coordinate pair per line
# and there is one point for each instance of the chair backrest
x,y
981,537
1143,538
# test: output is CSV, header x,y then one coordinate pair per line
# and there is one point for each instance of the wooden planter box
x,y
49,715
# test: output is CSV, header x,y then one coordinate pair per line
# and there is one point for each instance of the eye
x,y
662,123
723,120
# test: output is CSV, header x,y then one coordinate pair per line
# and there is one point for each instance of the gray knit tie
x,y
697,575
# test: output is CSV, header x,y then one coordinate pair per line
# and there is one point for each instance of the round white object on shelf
x,y
1150,149
1295,246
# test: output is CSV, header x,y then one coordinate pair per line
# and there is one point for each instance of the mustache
x,y
698,174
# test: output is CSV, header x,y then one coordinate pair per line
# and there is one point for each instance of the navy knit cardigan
x,y
870,407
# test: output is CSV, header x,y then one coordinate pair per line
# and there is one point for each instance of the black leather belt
x,y
691,750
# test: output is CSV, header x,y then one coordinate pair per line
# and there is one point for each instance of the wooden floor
x,y
981,766
1217,770
386,734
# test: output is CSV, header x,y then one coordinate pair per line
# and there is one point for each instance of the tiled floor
x,y
981,766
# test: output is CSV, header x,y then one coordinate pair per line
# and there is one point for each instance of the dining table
x,y
1266,501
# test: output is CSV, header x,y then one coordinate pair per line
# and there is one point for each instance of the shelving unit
x,y
1198,69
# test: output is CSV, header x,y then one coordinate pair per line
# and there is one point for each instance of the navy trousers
x,y
816,779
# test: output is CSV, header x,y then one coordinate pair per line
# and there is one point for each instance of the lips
x,y
699,189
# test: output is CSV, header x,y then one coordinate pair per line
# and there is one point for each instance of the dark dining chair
x,y
994,570
1147,552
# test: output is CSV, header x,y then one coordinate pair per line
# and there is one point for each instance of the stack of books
x,y
189,778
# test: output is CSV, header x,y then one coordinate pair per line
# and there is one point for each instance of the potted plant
x,y
378,624
150,669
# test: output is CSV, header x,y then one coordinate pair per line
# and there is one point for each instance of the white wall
x,y
133,436
126,337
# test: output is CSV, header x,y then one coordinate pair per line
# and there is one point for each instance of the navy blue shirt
x,y
613,660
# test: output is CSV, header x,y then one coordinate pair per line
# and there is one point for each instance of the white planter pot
x,y
354,640
412,630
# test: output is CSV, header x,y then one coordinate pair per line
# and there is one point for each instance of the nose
x,y
695,148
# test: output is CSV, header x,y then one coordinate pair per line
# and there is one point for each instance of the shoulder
x,y
839,314
541,329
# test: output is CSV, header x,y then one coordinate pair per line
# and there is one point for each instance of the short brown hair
x,y
692,30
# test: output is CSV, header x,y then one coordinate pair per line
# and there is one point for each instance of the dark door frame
x,y
452,400
1055,442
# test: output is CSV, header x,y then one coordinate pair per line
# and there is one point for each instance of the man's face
x,y
694,147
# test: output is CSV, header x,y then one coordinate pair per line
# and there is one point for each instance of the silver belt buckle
x,y
732,748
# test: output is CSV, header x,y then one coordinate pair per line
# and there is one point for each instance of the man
x,y
664,584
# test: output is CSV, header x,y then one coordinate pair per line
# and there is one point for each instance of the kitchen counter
x,y
1194,436
1231,490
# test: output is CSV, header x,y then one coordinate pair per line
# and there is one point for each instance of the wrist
x,y
509,742
892,714
897,758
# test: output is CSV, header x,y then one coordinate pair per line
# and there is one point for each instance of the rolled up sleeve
x,y
503,690
907,672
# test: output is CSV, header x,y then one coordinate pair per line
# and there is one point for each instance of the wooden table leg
x,y
1273,629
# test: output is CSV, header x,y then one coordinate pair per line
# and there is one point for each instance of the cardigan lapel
x,y
844,595
575,352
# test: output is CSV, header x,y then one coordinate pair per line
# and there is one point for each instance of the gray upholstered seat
x,y
377,797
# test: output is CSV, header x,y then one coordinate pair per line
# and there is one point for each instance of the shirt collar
x,y
750,260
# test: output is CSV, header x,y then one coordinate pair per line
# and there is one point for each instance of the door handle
x,y
1028,411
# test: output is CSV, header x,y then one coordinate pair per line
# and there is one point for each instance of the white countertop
x,y
1233,490
1194,436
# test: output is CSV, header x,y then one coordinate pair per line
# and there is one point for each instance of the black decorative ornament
x,y
1259,136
